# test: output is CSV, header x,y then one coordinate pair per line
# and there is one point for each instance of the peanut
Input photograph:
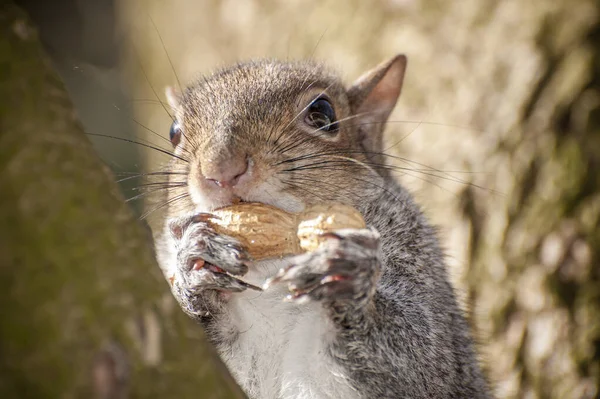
x,y
267,232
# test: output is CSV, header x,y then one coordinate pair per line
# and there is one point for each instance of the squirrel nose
x,y
226,173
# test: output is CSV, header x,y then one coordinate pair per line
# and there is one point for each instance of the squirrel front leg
x,y
342,273
398,336
204,265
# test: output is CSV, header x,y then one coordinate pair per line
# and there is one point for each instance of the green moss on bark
x,y
76,268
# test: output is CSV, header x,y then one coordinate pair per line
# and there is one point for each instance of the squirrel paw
x,y
205,259
344,267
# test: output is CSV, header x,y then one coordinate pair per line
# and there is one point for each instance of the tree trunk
x,y
534,262
85,310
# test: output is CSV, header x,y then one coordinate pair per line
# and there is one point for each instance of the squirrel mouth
x,y
239,200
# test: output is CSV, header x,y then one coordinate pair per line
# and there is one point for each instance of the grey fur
x,y
399,332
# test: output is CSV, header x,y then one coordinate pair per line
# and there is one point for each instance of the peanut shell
x,y
268,232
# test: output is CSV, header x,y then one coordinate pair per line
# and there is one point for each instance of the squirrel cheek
x,y
203,196
206,197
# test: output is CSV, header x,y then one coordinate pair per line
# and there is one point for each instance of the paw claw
x,y
251,286
198,264
342,268
278,277
207,259
333,278
204,217
213,277
331,235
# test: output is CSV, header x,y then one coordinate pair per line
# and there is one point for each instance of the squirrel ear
x,y
173,97
378,90
375,95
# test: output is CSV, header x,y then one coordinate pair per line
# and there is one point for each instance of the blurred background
x,y
499,123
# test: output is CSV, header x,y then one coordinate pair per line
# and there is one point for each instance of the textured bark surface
x,y
506,92
82,299
536,285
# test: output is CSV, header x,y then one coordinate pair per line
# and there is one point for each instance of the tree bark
x,y
85,310
536,285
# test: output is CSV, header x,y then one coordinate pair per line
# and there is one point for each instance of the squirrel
x,y
373,314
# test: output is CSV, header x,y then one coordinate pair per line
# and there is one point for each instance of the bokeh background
x,y
498,124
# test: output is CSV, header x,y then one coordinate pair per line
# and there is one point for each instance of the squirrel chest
x,y
280,348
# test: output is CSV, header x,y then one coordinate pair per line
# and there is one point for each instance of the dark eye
x,y
320,115
175,133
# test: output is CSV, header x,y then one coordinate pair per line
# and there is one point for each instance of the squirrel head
x,y
288,134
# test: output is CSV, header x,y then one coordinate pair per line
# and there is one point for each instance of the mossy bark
x,y
82,300
536,285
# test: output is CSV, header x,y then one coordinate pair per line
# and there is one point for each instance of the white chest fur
x,y
280,351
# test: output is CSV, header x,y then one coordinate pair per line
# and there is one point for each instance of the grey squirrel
x,y
373,314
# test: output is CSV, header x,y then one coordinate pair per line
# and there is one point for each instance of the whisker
x,y
145,100
133,175
353,193
315,181
327,188
305,190
449,176
344,161
312,54
166,184
150,84
159,135
146,193
363,164
383,188
165,50
139,143
404,137
370,166
344,119
428,171
375,185
168,202
421,123
309,86
311,136
150,130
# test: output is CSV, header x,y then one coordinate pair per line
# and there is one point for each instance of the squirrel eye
x,y
320,115
175,133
